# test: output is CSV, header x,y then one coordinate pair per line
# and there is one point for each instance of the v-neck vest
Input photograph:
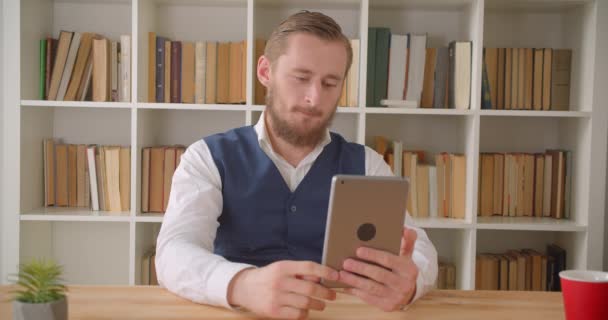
x,y
262,221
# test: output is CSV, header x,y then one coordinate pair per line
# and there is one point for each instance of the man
x,y
246,217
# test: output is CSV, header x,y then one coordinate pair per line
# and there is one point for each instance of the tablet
x,y
363,211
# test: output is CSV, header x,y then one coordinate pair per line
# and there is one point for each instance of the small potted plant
x,y
40,294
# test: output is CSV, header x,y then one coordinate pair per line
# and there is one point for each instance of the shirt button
x,y
293,208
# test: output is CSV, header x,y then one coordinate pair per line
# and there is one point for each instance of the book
x,y
63,47
416,64
42,76
397,63
187,73
101,70
125,69
91,151
560,79
460,71
69,66
80,66
200,71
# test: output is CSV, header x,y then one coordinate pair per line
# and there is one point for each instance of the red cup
x,y
585,294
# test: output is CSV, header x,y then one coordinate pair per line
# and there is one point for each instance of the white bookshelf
x,y
106,248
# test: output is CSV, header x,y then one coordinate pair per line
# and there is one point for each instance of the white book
x,y
93,178
433,210
547,185
397,63
353,76
113,71
462,74
125,68
200,60
398,158
399,103
69,66
417,45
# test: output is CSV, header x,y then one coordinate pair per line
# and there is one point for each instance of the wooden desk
x,y
97,302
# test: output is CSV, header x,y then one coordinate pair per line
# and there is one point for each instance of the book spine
x,y
176,68
160,69
42,77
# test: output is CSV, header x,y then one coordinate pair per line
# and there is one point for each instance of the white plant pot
x,y
57,310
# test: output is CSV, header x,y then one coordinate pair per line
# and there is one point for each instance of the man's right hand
x,y
284,289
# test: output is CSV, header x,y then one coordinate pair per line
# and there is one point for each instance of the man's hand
x,y
284,289
388,289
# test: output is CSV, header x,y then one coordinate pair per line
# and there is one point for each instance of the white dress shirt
x,y
185,262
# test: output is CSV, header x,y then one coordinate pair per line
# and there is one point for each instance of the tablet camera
x,y
366,232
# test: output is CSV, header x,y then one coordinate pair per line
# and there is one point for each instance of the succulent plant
x,y
39,282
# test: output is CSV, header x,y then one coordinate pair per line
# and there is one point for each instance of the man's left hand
x,y
389,288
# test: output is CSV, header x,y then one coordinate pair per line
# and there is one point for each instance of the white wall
x,y
2,46
601,96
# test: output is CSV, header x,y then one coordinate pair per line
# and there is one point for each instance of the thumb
x,y
408,240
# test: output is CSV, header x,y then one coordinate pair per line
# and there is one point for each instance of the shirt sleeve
x,y
425,254
185,262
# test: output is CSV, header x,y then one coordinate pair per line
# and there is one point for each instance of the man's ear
x,y
264,71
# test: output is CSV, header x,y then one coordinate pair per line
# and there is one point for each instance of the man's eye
x,y
330,85
301,79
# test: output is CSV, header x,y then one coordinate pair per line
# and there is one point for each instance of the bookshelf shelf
x,y
419,111
74,214
139,123
190,106
528,223
529,113
76,104
348,110
442,223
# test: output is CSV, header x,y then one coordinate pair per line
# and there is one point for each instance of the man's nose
x,y
313,93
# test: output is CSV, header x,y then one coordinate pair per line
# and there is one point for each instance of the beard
x,y
301,137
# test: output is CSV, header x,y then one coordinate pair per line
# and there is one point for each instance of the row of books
x,y
85,66
526,78
88,176
520,270
446,276
402,71
525,184
148,269
158,166
196,72
437,183
350,90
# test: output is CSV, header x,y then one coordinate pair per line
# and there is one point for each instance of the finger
x,y
309,268
371,271
287,312
382,258
309,278
370,286
370,299
308,288
301,302
408,242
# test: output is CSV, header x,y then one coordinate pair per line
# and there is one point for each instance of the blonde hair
x,y
314,23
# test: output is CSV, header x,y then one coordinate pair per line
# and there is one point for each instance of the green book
x,y
42,94
383,38
371,66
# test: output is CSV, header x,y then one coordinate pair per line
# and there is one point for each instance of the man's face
x,y
304,86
